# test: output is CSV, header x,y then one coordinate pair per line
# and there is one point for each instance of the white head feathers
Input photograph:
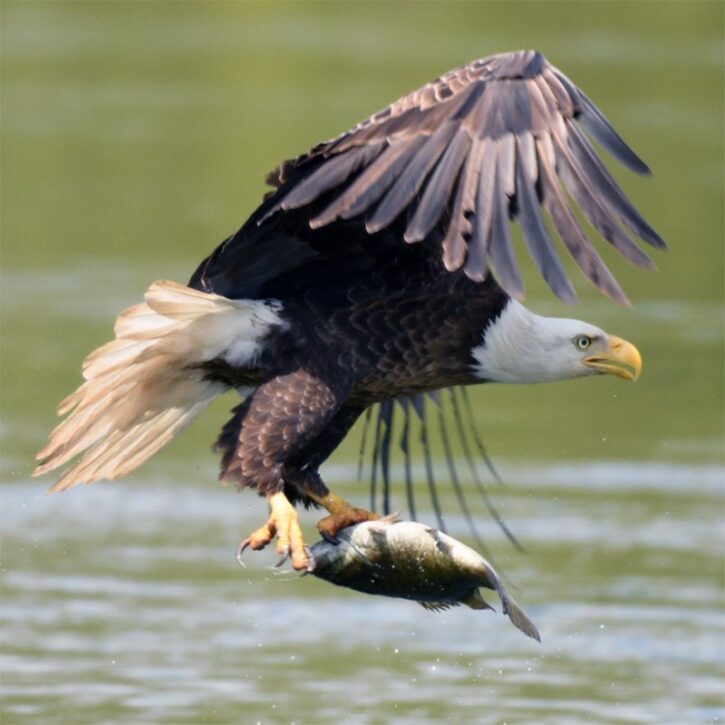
x,y
521,347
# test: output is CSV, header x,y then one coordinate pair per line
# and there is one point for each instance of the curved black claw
x,y
310,561
284,558
241,549
329,537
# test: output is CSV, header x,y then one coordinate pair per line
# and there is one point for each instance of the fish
x,y
410,560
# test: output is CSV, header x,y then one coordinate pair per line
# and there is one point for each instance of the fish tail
x,y
517,615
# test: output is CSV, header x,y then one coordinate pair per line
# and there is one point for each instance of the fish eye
x,y
583,342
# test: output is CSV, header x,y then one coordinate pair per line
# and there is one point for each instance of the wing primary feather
x,y
430,478
331,173
520,107
500,245
569,229
535,232
462,437
506,165
454,244
477,437
543,105
597,214
572,102
375,459
405,447
363,442
410,181
550,86
526,158
438,189
608,187
492,510
595,122
371,183
450,462
435,396
387,411
476,261
418,403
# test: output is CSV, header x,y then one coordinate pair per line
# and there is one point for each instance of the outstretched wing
x,y
493,140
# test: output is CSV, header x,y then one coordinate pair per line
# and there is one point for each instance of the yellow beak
x,y
621,358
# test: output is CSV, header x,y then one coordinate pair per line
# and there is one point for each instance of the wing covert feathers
x,y
145,386
488,142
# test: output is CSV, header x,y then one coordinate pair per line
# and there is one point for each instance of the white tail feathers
x,y
146,386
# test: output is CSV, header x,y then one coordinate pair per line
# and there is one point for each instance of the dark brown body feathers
x,y
383,344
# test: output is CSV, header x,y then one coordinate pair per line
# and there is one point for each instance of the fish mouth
x,y
621,358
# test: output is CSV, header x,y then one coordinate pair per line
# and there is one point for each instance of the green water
x,y
135,136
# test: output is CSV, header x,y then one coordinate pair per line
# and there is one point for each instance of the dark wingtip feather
x,y
471,466
363,442
604,133
405,447
386,412
538,240
457,488
374,461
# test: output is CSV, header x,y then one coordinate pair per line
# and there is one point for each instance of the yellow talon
x,y
342,514
284,523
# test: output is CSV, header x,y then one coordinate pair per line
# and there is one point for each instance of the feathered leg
x,y
301,474
272,434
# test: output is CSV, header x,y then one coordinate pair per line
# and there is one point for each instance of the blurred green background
x,y
136,136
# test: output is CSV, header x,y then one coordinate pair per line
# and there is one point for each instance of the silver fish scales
x,y
410,560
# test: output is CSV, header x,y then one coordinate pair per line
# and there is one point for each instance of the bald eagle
x,y
379,268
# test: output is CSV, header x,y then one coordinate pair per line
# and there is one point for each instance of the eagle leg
x,y
303,479
342,514
283,523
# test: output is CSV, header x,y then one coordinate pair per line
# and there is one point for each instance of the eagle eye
x,y
583,342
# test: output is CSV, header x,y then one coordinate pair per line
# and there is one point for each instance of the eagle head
x,y
521,347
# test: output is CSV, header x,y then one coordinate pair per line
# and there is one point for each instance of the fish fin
x,y
376,527
379,536
361,554
441,545
439,606
392,518
517,615
474,600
